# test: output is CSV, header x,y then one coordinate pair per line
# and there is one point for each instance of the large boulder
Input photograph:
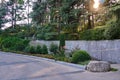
x,y
98,66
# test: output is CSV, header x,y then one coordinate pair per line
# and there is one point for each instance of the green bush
x,y
86,35
79,56
113,31
38,49
93,34
98,34
14,43
54,48
32,49
20,45
27,49
44,49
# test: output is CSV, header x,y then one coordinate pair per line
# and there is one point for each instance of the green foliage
x,y
46,32
62,41
54,48
113,26
20,1
20,45
93,34
113,31
1,42
115,8
86,35
64,9
3,12
98,34
20,32
113,69
44,49
27,49
39,12
14,43
79,56
38,49
32,49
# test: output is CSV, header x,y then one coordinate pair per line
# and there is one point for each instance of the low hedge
x,y
36,49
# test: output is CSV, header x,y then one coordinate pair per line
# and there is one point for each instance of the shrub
x,y
44,49
54,48
98,34
32,49
93,34
14,43
27,49
79,56
38,49
113,31
7,43
20,45
86,35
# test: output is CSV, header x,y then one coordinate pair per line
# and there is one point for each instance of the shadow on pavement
x,y
16,63
50,75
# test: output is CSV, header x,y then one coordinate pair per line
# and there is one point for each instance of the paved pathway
x,y
22,67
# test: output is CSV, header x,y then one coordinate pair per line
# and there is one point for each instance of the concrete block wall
x,y
107,50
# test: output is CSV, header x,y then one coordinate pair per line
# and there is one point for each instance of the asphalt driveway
x,y
22,67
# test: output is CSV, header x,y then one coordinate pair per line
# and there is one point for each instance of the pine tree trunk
x,y
89,22
118,15
12,16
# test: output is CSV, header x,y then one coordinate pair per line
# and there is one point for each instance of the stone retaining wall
x,y
107,50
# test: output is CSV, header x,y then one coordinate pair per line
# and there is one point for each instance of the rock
x,y
98,66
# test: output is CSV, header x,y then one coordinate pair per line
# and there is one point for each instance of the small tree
x,y
62,42
44,49
54,48
32,49
3,12
38,49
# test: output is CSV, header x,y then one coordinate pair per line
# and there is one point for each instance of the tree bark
x,y
89,22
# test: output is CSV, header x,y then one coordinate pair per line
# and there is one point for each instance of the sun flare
x,y
96,4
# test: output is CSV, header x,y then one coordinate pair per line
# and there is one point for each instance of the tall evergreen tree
x,y
39,12
3,9
14,7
